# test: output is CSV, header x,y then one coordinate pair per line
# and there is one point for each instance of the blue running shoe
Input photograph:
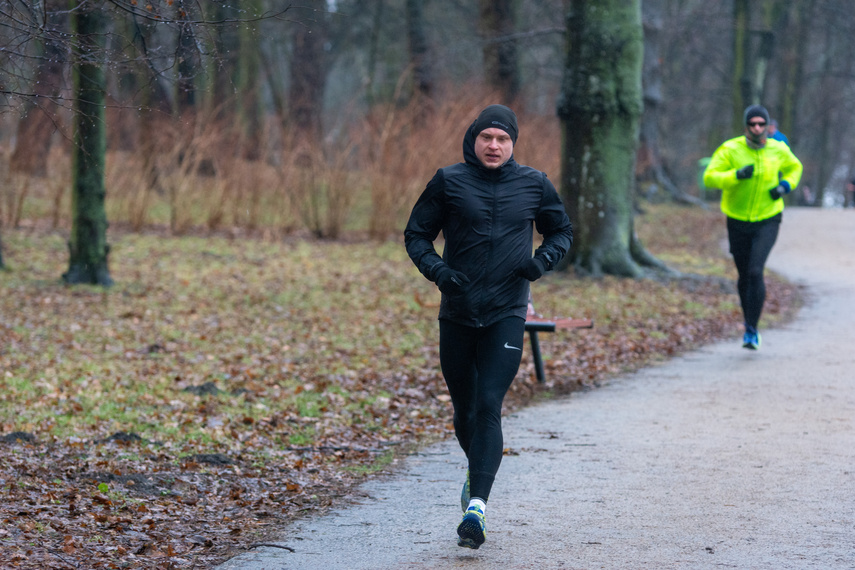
x,y
472,531
751,340
464,494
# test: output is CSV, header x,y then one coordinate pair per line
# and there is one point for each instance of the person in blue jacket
x,y
774,133
485,208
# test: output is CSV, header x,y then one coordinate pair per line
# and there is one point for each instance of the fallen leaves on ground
x,y
226,387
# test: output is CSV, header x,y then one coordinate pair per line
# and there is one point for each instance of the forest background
x,y
224,385
209,113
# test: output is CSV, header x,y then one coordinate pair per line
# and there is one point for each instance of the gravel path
x,y
722,458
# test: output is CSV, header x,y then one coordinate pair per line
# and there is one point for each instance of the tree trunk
x,y
501,67
87,245
248,93
600,106
214,88
419,55
40,116
741,51
750,66
825,155
308,73
189,62
649,164
761,66
154,102
793,69
373,49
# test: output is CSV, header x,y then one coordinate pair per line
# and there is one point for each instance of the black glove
x,y
449,281
782,188
533,269
745,172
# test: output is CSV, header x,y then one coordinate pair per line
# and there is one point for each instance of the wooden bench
x,y
535,323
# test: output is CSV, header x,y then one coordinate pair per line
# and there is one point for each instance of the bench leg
x,y
535,352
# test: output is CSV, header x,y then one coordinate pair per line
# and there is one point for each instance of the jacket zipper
x,y
494,189
753,210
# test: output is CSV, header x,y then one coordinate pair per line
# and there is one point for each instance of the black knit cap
x,y
496,117
755,111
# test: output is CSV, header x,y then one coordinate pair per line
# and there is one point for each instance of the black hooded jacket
x,y
486,217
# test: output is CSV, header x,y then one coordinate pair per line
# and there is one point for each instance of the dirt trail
x,y
722,458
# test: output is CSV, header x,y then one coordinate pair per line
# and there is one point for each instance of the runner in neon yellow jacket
x,y
753,172
749,199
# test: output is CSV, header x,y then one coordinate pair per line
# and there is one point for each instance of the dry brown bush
x,y
192,174
402,147
321,188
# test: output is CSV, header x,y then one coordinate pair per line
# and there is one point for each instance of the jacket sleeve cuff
x,y
546,260
432,270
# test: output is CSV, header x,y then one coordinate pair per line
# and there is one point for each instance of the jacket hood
x,y
471,158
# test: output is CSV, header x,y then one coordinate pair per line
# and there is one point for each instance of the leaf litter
x,y
224,387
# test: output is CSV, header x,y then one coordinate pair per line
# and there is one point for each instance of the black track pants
x,y
479,365
750,245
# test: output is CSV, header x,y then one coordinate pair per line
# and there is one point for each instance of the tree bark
x,y
741,51
189,62
501,66
40,116
308,74
761,66
600,106
423,87
373,48
649,163
792,70
87,245
248,93
214,88
824,123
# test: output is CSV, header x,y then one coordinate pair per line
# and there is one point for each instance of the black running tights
x,y
479,365
750,245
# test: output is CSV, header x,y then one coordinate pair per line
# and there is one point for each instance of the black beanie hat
x,y
755,111
497,117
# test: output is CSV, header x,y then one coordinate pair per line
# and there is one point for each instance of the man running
x,y
754,172
485,207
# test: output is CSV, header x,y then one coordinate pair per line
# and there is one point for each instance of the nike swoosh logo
x,y
514,347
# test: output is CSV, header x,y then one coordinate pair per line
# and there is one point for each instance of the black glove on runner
x,y
745,172
533,269
782,188
449,281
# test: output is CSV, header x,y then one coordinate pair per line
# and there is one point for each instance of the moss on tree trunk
x,y
87,244
600,109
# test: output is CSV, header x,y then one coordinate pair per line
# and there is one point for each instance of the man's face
x,y
493,147
755,129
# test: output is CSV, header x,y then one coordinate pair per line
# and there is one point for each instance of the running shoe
x,y
472,531
464,494
751,340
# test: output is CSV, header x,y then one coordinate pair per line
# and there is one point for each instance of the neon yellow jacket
x,y
749,200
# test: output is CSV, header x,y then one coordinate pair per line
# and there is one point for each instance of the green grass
x,y
307,341
263,317
378,464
